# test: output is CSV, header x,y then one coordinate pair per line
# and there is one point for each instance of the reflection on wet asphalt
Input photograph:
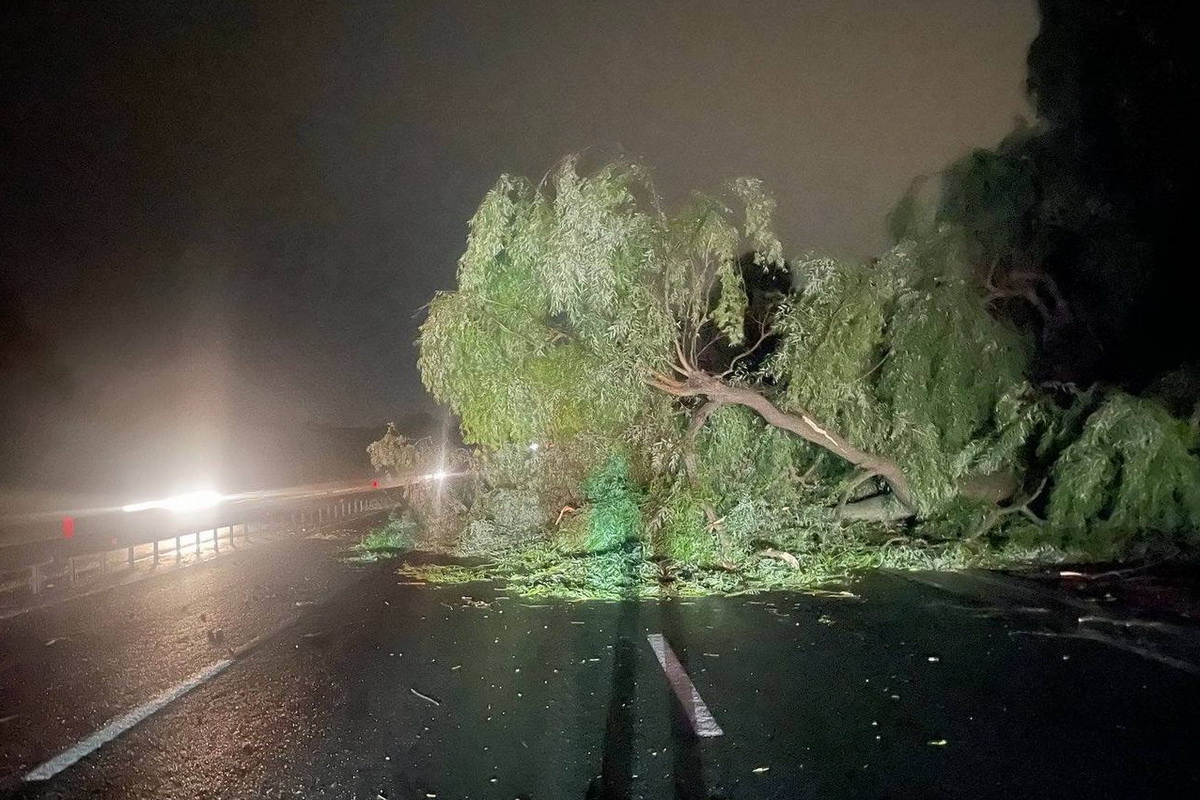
x,y
392,690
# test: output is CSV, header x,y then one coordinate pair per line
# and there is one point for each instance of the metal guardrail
x,y
124,540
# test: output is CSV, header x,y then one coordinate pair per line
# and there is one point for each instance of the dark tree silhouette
x,y
1079,225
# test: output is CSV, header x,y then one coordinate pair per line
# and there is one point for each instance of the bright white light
x,y
180,503
533,446
439,476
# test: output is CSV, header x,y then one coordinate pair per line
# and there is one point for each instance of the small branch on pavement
x,y
780,555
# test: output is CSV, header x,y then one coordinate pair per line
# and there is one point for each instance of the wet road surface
x,y
386,689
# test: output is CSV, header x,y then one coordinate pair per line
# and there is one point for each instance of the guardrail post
x,y
35,579
156,551
177,548
129,555
217,539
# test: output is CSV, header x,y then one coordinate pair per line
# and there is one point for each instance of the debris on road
x,y
424,697
780,555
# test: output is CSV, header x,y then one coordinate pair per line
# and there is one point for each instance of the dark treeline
x,y
1087,213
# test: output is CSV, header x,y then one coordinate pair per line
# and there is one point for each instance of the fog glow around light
x,y
180,503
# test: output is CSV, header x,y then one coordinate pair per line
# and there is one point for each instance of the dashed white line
x,y
697,712
123,723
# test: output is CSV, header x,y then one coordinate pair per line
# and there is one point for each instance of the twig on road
x,y
424,697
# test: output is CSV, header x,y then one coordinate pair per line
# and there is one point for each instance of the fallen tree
x,y
588,320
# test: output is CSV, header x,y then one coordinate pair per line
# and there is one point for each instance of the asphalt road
x,y
367,686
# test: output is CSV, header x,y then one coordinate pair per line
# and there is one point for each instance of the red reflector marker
x,y
68,525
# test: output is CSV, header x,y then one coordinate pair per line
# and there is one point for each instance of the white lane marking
x,y
697,712
123,723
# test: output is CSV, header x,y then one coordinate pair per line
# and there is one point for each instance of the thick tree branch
x,y
1017,507
801,423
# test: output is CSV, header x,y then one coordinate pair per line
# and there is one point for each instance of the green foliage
x,y
553,472
446,573
571,293
902,357
1134,469
679,529
750,518
950,366
988,196
400,533
543,571
572,533
516,510
502,518
577,293
614,516
740,454
396,455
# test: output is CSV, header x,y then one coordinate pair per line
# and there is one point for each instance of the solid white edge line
x,y
697,712
123,723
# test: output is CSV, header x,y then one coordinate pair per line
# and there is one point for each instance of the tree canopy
x,y
586,319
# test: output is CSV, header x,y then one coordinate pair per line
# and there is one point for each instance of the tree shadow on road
x,y
615,781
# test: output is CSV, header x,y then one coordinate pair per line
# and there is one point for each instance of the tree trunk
x,y
717,391
994,488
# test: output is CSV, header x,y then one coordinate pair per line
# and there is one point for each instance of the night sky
x,y
224,217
